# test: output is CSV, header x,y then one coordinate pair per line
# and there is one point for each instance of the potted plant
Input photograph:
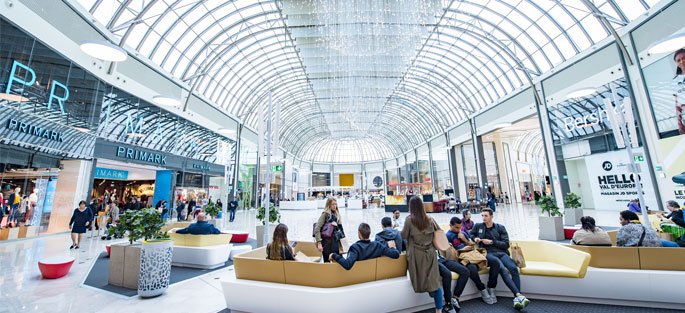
x,y
213,211
129,263
274,219
552,224
573,211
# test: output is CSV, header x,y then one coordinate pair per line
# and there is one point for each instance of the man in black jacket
x,y
495,239
365,249
95,208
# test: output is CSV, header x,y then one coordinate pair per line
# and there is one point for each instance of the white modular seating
x,y
644,288
298,205
201,257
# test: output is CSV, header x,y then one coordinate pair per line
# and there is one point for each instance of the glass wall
x,y
247,174
473,191
491,169
441,167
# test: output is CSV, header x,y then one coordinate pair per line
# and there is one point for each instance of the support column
x,y
553,166
71,188
431,167
236,168
460,177
477,144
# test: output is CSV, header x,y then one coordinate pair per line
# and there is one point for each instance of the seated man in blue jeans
x,y
200,228
495,239
365,249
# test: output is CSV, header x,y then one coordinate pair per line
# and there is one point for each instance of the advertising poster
x,y
673,152
612,184
666,85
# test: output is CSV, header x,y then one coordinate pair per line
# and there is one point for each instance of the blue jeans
x,y
437,298
507,266
669,244
232,214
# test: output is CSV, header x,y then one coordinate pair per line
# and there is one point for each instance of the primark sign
x,y
35,130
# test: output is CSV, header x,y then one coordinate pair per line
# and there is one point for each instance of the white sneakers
x,y
521,302
493,297
485,295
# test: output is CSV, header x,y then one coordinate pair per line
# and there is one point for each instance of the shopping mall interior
x,y
448,155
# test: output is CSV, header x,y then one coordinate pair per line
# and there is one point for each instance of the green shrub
x,y
549,205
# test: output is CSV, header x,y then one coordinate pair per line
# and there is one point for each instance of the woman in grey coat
x,y
422,261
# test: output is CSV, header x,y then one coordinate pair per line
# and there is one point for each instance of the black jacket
x,y
497,233
390,234
199,228
94,207
364,250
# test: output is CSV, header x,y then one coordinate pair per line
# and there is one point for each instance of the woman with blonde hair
x,y
279,248
328,230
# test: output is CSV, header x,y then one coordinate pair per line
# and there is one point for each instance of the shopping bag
x,y
517,256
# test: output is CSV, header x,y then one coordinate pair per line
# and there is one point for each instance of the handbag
x,y
452,254
517,256
440,240
326,230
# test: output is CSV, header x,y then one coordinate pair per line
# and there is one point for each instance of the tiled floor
x,y
23,290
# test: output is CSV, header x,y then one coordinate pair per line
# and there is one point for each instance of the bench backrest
x,y
611,257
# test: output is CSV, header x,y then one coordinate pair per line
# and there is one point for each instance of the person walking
x,y
80,220
422,262
232,207
330,215
94,207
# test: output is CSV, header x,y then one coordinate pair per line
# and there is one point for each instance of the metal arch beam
x,y
607,25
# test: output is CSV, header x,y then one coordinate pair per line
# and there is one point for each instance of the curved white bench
x,y
201,257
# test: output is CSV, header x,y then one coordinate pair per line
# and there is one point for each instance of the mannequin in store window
x,y
14,201
679,80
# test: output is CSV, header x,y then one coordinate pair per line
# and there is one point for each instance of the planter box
x,y
28,231
572,216
124,265
551,228
260,233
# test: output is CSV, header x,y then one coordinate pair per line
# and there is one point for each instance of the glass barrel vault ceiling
x,y
359,80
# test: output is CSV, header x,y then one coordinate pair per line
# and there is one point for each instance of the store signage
x,y
604,115
35,130
612,185
108,173
53,90
204,167
140,155
276,168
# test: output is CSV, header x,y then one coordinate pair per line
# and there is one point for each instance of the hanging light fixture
x,y
581,92
166,101
668,44
103,50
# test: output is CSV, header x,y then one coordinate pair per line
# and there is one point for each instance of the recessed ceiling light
x,y
225,130
581,92
166,101
83,129
103,50
668,44
206,154
13,98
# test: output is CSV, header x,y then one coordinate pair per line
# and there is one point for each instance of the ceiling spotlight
x,y
135,135
206,154
225,130
582,92
103,50
12,98
668,44
166,101
82,129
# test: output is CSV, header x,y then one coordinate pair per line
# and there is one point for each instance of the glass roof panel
x,y
359,69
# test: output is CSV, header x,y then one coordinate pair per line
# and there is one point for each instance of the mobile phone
x,y
294,244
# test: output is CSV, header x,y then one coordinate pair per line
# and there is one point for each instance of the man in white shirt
x,y
397,223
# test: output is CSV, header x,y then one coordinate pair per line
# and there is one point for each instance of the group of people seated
x,y
632,232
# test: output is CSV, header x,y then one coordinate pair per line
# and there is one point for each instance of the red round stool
x,y
55,267
109,249
238,236
568,232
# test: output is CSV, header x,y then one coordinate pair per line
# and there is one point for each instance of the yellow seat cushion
x,y
546,258
541,268
188,240
455,276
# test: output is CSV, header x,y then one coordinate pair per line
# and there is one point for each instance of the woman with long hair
x,y
330,215
279,248
589,234
422,261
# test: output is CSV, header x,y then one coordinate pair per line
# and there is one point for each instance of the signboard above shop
x,y
108,173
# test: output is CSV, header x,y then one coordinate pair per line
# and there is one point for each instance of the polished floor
x,y
23,290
